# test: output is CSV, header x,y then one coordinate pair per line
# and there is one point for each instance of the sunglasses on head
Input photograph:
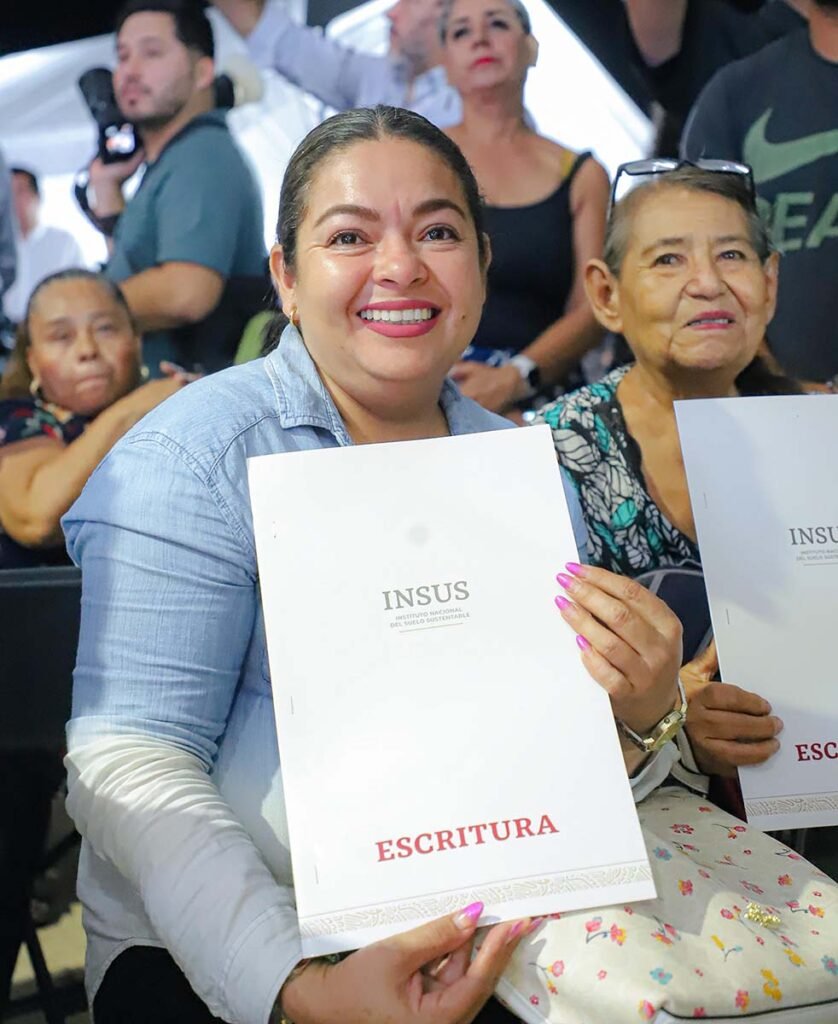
x,y
623,179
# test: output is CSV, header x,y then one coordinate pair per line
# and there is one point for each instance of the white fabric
x,y
174,819
654,772
44,251
156,815
705,947
686,770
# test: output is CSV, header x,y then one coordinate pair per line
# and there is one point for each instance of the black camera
x,y
117,136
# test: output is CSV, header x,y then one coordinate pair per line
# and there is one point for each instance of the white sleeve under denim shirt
x,y
174,775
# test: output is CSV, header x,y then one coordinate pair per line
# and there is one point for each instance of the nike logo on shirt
x,y
771,160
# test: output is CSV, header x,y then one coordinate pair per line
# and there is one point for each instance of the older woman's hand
x,y
726,725
630,642
424,976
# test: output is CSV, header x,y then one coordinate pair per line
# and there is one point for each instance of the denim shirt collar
x,y
302,398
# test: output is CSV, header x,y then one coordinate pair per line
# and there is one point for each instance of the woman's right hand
x,y
727,726
148,396
424,976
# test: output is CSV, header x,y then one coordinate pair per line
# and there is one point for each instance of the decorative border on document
x,y
440,904
792,804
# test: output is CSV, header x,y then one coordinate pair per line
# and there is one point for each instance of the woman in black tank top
x,y
545,215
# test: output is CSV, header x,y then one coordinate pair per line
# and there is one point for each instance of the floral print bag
x,y
743,927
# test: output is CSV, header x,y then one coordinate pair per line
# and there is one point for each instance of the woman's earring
x,y
293,317
35,389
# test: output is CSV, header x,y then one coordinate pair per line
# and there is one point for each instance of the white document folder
x,y
764,491
440,740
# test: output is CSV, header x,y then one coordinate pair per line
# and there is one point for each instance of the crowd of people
x,y
432,184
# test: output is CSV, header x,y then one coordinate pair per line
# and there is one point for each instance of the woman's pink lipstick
x,y
712,320
412,328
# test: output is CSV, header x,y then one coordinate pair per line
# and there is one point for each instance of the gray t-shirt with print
x,y
778,112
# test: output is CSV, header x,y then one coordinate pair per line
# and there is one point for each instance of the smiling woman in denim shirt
x,y
174,774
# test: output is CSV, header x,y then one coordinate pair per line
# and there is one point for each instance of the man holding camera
x,y
188,247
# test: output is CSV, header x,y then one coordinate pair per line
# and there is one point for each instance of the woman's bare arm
x,y
657,27
40,477
560,347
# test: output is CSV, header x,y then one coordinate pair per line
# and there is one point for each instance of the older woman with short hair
x,y
690,279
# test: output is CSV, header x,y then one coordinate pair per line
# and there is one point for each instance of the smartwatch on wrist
x,y
665,730
529,371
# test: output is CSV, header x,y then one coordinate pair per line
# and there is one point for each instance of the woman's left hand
x,y
630,642
496,388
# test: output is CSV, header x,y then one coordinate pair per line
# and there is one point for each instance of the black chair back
x,y
39,631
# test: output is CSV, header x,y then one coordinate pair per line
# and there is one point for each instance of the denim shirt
x,y
174,774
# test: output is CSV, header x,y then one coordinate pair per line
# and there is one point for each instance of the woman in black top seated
x,y
545,213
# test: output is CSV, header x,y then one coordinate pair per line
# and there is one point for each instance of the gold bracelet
x,y
279,1016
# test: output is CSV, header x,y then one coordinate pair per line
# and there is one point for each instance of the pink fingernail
x,y
575,569
565,581
468,915
515,932
562,602
536,922
583,643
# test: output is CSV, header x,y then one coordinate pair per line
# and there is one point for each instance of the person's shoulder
x,y
23,418
200,422
766,63
59,238
52,233
465,416
13,409
207,140
573,410
561,159
580,168
204,128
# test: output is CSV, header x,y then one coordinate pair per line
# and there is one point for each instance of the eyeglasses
x,y
663,165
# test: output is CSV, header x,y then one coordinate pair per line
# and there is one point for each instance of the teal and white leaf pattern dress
x,y
627,532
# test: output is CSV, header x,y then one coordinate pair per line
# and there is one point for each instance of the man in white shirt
x,y
41,248
409,76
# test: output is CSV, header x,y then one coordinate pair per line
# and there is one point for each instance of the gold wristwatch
x,y
666,729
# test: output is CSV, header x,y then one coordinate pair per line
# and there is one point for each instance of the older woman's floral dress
x,y
628,533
